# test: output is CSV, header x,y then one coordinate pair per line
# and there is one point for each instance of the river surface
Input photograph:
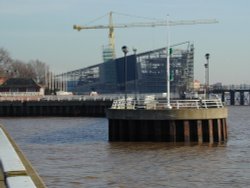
x,y
75,153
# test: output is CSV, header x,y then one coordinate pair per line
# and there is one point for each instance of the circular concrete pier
x,y
168,125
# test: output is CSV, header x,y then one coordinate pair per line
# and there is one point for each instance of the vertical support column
x,y
186,131
248,98
132,130
122,129
242,98
232,97
224,125
219,130
145,129
211,134
111,130
157,131
172,131
199,131
223,96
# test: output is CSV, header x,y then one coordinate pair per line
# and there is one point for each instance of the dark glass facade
x,y
146,73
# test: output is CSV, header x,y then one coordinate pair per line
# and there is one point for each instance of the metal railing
x,y
158,104
14,94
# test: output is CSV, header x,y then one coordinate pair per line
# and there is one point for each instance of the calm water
x,y
74,152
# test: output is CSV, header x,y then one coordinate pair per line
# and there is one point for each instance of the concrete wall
x,y
173,114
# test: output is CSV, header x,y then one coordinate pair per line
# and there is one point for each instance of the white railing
x,y
13,94
162,104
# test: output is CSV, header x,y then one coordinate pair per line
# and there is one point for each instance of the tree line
x,y
14,68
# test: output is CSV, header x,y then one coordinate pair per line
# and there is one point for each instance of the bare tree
x,y
40,70
34,69
20,69
5,61
4,57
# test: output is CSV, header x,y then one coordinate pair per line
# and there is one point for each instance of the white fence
x,y
162,104
14,94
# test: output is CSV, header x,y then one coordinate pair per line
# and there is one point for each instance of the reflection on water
x,y
75,152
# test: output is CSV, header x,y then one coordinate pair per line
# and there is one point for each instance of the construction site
x,y
146,72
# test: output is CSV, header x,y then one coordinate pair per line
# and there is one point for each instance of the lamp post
x,y
168,65
135,79
125,51
207,55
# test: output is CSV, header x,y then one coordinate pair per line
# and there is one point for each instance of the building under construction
x,y
146,73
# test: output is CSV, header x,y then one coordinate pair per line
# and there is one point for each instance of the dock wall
x,y
93,108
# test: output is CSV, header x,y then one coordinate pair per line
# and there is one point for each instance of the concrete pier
x,y
187,124
15,170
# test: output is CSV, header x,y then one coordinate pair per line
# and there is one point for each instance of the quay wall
x,y
73,108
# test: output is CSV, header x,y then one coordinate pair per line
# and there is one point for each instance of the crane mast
x,y
111,27
111,35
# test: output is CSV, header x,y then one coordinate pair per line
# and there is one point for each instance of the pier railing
x,y
131,103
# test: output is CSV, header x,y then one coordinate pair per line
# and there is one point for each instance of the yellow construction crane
x,y
111,27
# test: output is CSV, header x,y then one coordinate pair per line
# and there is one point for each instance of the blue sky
x,y
33,29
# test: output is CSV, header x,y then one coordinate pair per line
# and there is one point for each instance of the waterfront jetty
x,y
235,96
201,121
15,170
64,106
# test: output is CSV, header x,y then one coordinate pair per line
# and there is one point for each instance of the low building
x,y
21,87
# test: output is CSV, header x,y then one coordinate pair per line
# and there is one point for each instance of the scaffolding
x,y
146,73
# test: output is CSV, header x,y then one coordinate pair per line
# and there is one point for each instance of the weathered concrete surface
x,y
30,171
173,114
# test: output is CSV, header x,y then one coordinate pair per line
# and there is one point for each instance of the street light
x,y
125,51
135,79
168,65
207,55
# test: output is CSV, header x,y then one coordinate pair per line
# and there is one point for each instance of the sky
x,y
43,30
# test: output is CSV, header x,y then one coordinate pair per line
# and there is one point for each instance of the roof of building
x,y
20,83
